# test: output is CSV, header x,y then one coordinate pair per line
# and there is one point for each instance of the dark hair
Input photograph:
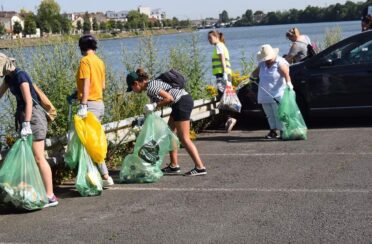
x,y
142,75
367,21
87,42
217,34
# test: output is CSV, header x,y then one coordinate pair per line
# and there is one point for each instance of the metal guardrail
x,y
120,132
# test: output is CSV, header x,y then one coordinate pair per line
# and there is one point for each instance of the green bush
x,y
331,36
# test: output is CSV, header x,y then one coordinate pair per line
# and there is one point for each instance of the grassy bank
x,y
34,42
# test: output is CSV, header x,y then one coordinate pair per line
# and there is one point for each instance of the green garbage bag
x,y
72,154
294,127
153,142
88,179
20,180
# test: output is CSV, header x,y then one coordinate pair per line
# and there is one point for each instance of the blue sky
x,y
182,9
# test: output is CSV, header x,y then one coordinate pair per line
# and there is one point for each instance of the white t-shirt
x,y
220,47
305,39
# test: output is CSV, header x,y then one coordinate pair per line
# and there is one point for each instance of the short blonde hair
x,y
293,32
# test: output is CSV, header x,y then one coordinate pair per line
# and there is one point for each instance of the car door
x,y
342,78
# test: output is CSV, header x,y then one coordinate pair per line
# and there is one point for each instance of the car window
x,y
353,53
361,54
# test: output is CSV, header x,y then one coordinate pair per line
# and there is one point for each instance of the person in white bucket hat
x,y
273,72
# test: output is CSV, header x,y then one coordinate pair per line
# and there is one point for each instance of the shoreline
x,y
45,41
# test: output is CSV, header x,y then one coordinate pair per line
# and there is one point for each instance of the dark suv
x,y
337,81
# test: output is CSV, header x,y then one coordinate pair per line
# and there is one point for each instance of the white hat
x,y
266,53
6,64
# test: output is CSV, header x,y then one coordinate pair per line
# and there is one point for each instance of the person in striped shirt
x,y
162,94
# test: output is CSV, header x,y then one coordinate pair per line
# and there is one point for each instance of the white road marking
x,y
263,190
283,154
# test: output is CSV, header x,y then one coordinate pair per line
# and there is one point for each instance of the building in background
x,y
8,19
99,16
158,14
144,10
121,15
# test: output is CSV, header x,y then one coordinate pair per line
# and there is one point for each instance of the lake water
x,y
247,39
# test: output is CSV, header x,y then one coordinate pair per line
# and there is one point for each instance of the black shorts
x,y
181,111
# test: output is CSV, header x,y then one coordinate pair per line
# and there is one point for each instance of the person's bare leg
x,y
173,154
44,167
183,132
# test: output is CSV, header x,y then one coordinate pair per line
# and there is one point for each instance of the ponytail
x,y
142,75
217,34
222,38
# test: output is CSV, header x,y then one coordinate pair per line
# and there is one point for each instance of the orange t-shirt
x,y
91,67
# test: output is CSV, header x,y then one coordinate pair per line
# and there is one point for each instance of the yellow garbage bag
x,y
92,136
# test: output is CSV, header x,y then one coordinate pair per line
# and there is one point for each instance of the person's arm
x,y
291,54
255,73
223,61
104,79
103,85
284,71
3,89
167,99
26,94
86,88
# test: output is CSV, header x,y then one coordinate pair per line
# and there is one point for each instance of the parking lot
x,y
256,191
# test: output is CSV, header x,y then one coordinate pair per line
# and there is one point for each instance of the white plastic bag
x,y
230,101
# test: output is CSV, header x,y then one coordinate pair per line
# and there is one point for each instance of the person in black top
x,y
366,19
163,94
30,116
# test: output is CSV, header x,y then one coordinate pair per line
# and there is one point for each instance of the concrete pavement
x,y
256,191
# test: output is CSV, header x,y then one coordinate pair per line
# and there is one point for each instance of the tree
x,y
167,23
95,24
56,26
248,16
17,28
87,26
137,20
111,25
79,26
157,23
103,26
2,29
48,16
120,25
224,17
175,22
185,23
66,24
30,24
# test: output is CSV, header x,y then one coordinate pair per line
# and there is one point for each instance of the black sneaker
x,y
195,172
169,170
272,135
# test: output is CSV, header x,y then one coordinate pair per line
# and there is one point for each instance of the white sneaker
x,y
108,182
230,124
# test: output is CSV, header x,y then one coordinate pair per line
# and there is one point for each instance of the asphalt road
x,y
256,191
